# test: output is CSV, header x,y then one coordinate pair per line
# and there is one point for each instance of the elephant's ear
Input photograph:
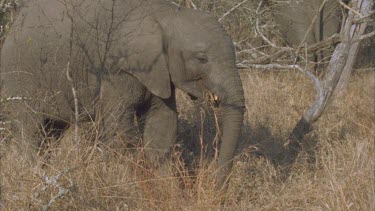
x,y
146,58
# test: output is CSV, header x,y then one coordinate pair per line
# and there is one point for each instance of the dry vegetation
x,y
334,172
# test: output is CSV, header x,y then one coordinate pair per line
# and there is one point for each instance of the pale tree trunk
x,y
356,32
338,72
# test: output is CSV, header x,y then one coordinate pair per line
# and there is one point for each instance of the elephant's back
x,y
35,55
47,35
297,19
36,42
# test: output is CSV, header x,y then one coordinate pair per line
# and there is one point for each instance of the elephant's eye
x,y
202,58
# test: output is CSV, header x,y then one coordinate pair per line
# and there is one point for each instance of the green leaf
x,y
28,40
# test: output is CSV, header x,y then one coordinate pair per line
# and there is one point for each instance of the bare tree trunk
x,y
338,71
356,31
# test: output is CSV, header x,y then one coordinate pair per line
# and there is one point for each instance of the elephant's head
x,y
201,57
189,49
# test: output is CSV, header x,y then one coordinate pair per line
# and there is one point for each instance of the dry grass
x,y
335,171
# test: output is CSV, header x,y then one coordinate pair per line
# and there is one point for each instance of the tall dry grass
x,y
335,171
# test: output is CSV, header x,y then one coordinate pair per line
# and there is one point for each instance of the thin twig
x,y
232,9
351,9
257,27
190,3
76,112
330,41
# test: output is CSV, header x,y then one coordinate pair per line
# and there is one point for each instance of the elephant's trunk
x,y
232,109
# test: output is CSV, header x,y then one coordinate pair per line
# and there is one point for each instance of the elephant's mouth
x,y
209,98
192,97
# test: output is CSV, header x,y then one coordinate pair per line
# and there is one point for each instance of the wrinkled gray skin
x,y
127,57
293,19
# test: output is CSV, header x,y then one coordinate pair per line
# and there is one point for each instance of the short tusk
x,y
212,98
216,98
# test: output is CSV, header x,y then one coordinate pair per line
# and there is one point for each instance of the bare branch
x,y
270,58
232,9
248,65
257,27
366,36
331,41
351,9
190,4
76,112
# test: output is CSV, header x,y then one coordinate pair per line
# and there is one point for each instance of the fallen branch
x,y
53,181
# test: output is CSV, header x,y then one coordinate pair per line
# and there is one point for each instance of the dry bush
x,y
334,172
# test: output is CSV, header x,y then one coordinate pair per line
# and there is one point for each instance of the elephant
x,y
294,20
114,59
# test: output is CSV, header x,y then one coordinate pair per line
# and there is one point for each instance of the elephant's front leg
x,y
160,129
